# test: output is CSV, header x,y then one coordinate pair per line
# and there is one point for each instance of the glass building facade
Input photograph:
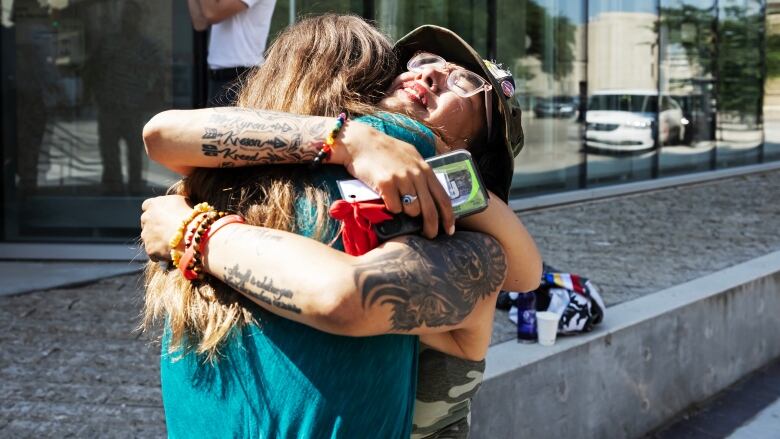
x,y
613,91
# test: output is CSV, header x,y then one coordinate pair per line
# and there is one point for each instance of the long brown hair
x,y
322,65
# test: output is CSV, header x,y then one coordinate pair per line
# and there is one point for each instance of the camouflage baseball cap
x,y
497,162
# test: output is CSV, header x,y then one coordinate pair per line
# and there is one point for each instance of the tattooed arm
x,y
182,140
226,137
443,289
410,285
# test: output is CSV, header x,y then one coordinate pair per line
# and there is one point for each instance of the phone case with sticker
x,y
455,171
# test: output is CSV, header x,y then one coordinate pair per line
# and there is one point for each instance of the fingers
x,y
443,203
408,192
428,209
391,197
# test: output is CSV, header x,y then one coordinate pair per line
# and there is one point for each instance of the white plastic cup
x,y
547,327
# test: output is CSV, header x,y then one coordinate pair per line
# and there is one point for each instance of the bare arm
x,y
226,137
524,263
182,140
199,22
410,286
207,12
444,288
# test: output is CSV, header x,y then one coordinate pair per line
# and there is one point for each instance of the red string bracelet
x,y
190,260
196,249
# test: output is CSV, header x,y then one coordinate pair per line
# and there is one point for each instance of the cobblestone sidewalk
x,y
71,364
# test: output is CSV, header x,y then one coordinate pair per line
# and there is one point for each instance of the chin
x,y
396,105
392,103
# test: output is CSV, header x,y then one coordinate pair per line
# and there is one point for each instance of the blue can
x,y
526,317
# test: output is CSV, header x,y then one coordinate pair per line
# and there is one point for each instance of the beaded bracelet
x,y
181,232
199,208
330,140
190,263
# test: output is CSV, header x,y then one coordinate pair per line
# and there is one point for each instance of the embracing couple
x,y
285,335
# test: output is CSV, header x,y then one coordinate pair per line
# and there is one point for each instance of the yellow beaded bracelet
x,y
199,208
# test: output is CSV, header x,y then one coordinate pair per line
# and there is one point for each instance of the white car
x,y
623,120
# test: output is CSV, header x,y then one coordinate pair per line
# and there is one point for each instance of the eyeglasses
x,y
462,82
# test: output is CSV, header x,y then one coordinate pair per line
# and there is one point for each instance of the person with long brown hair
x,y
433,292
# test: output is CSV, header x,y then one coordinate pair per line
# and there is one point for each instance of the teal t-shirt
x,y
281,379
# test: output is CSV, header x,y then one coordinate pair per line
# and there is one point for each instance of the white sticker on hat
x,y
497,70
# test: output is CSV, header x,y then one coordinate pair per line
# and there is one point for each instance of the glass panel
x,y
772,86
281,18
308,7
83,79
287,11
543,44
622,118
687,82
739,86
469,18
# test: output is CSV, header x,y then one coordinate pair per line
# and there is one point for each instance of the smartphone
x,y
459,175
455,171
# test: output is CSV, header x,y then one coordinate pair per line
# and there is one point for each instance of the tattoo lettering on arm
x,y
262,137
245,281
261,289
433,283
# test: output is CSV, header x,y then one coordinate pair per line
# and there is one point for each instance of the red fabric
x,y
357,219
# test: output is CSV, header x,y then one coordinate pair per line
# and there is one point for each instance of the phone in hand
x,y
455,171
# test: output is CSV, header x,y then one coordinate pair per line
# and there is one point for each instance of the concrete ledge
x,y
653,358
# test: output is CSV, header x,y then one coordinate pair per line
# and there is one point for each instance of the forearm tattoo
x,y
433,283
427,282
261,289
241,135
244,280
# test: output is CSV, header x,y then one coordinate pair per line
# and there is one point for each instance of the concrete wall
x,y
653,358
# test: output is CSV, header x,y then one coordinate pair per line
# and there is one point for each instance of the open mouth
x,y
416,92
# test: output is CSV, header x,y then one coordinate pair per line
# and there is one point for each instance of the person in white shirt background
x,y
238,35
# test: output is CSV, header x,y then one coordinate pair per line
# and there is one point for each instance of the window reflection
x,y
543,44
739,85
124,78
85,78
469,18
622,120
772,86
688,54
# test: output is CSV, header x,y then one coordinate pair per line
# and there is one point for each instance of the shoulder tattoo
x,y
433,282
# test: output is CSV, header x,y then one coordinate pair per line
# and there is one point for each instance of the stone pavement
x,y
71,364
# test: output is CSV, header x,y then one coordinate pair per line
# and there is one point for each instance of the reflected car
x,y
624,121
556,106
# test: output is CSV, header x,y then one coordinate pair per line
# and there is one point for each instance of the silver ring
x,y
408,199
